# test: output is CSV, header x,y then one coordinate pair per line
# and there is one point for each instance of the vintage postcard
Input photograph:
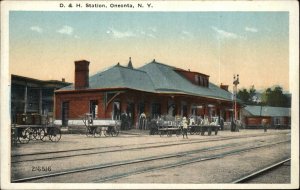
x,y
149,94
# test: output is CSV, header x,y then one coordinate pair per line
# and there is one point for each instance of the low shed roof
x,y
268,111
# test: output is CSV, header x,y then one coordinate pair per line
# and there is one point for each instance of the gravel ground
x,y
278,175
215,172
223,170
75,141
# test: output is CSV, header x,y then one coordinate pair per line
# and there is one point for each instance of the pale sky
x,y
44,45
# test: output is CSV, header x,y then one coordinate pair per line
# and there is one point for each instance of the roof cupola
x,y
130,64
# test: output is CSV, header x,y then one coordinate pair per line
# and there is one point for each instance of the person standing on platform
x,y
222,123
184,127
264,123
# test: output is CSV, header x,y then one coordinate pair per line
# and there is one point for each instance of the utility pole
x,y
235,83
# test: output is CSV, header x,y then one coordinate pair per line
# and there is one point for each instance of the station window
x,y
184,110
171,108
117,110
94,108
141,108
194,110
130,110
156,110
65,113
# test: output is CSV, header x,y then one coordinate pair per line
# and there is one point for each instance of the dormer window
x,y
196,79
205,82
200,81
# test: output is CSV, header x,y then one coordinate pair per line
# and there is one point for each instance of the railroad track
x,y
155,158
261,171
18,157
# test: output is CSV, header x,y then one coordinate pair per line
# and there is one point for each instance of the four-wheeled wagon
x,y
29,127
99,127
163,126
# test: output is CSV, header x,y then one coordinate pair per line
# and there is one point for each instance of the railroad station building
x,y
155,89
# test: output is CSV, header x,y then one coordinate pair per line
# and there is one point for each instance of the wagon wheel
x,y
192,130
54,134
209,131
197,131
202,131
106,131
32,133
161,133
169,133
35,134
89,132
97,132
156,130
126,125
153,129
24,136
115,131
178,132
41,134
216,131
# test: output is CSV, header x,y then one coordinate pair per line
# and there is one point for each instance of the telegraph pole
x,y
235,83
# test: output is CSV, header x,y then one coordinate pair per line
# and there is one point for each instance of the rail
x,y
260,172
153,158
124,148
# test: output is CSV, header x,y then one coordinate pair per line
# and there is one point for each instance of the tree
x,y
252,92
243,95
247,96
275,97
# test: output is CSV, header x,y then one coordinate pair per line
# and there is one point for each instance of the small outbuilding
x,y
277,117
31,96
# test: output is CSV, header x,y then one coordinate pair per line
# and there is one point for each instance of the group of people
x,y
204,121
235,124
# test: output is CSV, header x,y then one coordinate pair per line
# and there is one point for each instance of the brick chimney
x,y
224,87
81,74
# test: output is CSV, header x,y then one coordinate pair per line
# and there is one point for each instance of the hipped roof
x,y
153,77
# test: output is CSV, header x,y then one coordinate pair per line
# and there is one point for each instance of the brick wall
x,y
79,103
256,121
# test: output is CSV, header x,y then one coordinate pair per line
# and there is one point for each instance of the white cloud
x,y
118,34
151,35
126,34
66,30
143,32
225,34
36,29
153,29
251,29
186,34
